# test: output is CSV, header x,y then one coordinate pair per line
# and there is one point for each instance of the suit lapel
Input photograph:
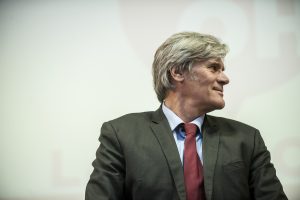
x,y
163,133
211,137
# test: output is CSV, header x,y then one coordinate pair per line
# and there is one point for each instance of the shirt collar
x,y
174,120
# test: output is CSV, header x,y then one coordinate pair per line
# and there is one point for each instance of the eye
x,y
214,67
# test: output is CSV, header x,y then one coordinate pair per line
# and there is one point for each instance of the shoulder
x,y
129,128
229,124
235,133
132,119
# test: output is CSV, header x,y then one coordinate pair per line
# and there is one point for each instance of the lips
x,y
219,90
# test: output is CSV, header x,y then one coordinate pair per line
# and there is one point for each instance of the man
x,y
178,151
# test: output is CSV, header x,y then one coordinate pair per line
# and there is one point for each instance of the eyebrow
x,y
222,66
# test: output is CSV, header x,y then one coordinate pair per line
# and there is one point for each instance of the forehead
x,y
218,61
211,61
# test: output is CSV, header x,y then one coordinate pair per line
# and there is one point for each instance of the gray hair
x,y
181,51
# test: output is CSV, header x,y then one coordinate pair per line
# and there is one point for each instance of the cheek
x,y
206,86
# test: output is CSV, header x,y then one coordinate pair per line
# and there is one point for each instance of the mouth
x,y
219,90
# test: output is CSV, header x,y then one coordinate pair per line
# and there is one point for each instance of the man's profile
x,y
179,151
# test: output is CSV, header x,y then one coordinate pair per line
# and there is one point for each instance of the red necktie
x,y
193,171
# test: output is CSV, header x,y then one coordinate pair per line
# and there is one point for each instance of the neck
x,y
184,108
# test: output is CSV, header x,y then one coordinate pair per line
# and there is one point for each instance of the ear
x,y
176,75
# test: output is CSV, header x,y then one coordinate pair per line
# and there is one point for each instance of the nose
x,y
223,78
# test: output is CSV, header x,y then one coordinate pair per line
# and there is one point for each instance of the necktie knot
x,y
190,129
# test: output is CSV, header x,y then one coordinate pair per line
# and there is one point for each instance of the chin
x,y
216,106
219,105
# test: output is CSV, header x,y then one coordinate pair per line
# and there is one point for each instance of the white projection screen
x,y
68,66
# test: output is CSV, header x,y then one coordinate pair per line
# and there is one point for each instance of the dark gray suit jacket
x,y
138,159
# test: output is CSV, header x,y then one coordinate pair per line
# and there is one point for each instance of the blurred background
x,y
68,66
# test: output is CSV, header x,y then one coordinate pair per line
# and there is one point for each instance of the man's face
x,y
203,85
